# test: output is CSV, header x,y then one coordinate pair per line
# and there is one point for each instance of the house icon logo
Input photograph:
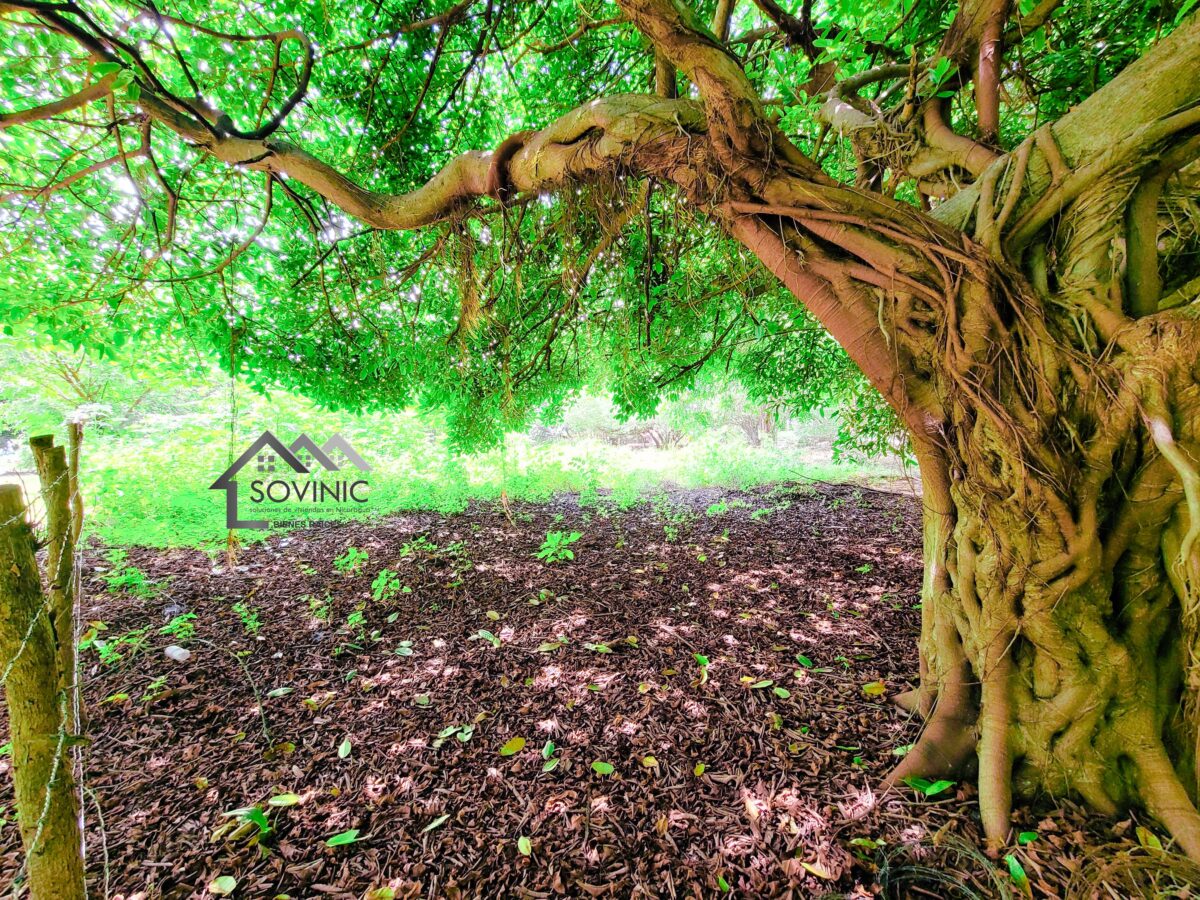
x,y
300,475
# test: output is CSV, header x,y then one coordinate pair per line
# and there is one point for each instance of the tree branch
x,y
93,91
630,131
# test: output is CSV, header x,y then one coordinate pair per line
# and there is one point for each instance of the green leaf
x,y
222,885
874,689
804,660
284,800
548,750
927,787
701,659
1017,872
550,765
1148,838
436,823
1027,837
104,69
524,845
602,768
344,749
937,787
866,843
513,745
723,884
343,838
253,814
782,693
758,685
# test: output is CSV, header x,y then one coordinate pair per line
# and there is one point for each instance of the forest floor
x,y
483,723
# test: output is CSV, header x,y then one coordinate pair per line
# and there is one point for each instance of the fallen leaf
x,y
817,869
222,886
343,838
513,745
874,688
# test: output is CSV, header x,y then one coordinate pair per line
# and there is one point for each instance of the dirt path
x,y
394,716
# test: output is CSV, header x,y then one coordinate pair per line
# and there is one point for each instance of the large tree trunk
x,y
1060,627
1049,385
1059,444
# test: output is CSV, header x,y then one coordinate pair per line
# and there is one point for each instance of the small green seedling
x,y
248,616
385,586
350,562
556,546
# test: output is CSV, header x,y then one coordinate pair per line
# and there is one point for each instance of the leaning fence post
x,y
39,715
60,558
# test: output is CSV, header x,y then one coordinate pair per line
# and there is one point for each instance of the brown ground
x,y
782,806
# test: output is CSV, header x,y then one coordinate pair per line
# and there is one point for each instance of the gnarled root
x,y
946,744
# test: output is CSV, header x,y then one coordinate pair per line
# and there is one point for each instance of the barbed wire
x,y
30,504
49,791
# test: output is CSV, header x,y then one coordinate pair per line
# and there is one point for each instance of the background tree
x,y
990,207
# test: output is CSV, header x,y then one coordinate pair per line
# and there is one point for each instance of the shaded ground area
x,y
486,723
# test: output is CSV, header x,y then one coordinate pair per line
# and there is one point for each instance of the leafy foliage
x,y
168,245
556,546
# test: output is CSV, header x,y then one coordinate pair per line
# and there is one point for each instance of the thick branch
x,y
1154,87
722,18
93,91
741,136
605,135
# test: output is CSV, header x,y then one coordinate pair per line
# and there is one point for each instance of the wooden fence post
x,y
75,443
60,559
39,714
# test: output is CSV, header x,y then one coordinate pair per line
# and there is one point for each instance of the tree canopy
x,y
117,229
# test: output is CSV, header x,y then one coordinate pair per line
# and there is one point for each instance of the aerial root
x,y
910,701
995,753
948,739
1166,798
